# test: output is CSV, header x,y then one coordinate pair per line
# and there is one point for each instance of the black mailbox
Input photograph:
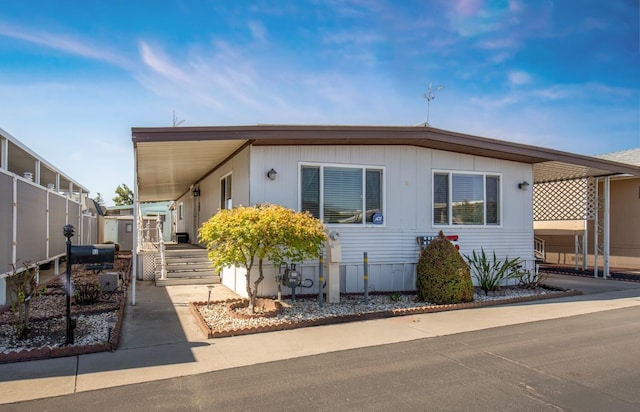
x,y
93,254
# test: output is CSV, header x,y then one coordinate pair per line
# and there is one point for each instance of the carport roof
x,y
170,159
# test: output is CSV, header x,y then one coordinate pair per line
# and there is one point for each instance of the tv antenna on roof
x,y
176,123
430,96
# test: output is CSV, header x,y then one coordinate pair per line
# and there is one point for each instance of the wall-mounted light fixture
x,y
195,191
271,174
523,186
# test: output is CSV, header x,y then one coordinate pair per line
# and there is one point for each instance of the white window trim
x,y
450,196
226,201
181,211
352,166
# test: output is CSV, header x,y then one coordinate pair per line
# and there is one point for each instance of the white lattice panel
x,y
593,202
148,266
564,200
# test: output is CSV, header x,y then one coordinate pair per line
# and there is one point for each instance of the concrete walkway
x,y
160,339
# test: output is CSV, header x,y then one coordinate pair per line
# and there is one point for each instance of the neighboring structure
x,y
570,238
379,187
36,201
119,223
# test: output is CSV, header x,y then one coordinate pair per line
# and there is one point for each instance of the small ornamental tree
x,y
22,287
244,236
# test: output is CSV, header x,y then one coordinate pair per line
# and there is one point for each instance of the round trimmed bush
x,y
443,277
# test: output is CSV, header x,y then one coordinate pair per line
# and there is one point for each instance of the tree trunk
x,y
250,293
253,294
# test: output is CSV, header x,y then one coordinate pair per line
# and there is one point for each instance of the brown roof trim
x,y
419,136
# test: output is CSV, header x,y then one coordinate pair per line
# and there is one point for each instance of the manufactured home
x,y
381,188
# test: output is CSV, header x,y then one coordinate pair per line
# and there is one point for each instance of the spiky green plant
x,y
492,273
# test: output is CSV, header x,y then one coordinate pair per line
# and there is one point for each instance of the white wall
x,y
199,210
408,198
392,248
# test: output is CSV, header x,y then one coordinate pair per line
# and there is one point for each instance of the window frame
x,y
226,184
364,169
450,174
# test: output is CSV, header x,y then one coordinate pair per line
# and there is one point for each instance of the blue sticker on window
x,y
377,218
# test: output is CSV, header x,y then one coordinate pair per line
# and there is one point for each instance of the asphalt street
x,y
582,363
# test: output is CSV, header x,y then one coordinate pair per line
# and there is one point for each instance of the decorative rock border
x,y
269,309
210,333
70,350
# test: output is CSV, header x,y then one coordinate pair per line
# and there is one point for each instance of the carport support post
x,y
596,222
68,232
605,246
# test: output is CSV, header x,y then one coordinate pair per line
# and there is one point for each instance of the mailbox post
x,y
68,233
334,258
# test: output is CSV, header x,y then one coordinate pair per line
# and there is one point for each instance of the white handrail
x,y
539,248
163,263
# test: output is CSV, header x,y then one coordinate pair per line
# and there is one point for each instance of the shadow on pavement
x,y
155,332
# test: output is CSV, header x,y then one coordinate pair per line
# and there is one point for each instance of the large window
x,y
342,194
466,199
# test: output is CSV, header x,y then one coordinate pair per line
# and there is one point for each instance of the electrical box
x,y
109,282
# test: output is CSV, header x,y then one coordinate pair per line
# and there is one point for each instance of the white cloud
x,y
555,92
518,78
258,31
160,63
65,44
489,103
497,44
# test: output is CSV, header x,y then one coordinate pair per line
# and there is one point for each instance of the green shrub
x,y
22,286
395,296
87,293
443,277
531,279
492,273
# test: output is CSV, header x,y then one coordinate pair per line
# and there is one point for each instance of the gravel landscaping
x,y
216,321
47,325
48,320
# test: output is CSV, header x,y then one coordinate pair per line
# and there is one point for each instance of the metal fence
x,y
31,221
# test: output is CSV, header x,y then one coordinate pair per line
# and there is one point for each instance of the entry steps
x,y
186,267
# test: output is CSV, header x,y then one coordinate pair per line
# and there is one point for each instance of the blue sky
x,y
75,76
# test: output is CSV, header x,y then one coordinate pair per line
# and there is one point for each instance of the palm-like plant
x,y
492,273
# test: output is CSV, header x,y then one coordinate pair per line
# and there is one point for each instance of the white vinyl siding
x,y
407,179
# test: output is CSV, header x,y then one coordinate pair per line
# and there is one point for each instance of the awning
x,y
171,159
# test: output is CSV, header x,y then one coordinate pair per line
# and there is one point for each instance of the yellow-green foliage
x,y
22,286
443,277
239,236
